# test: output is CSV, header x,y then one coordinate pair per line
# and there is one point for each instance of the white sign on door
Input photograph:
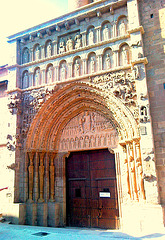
x,y
105,194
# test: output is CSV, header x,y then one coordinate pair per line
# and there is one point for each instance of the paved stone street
x,y
8,231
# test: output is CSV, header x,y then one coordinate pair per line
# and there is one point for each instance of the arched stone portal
x,y
77,117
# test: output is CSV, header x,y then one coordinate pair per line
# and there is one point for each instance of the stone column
x,y
47,178
30,79
116,58
114,31
98,34
127,169
31,55
41,177
55,47
56,73
43,76
70,70
26,178
42,52
84,66
52,177
36,180
140,169
84,39
100,62
31,176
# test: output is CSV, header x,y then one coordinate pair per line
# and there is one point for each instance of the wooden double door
x,y
91,192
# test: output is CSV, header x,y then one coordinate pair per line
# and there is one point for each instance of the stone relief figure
x,y
37,53
122,28
77,68
91,37
63,71
62,46
107,62
69,44
92,65
86,122
49,50
106,32
77,41
25,82
37,77
26,56
49,74
125,56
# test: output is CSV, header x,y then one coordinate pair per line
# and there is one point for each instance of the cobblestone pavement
x,y
8,231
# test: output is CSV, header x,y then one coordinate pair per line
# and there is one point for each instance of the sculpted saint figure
x,y
37,53
63,72
62,46
122,28
91,36
125,56
107,62
86,122
49,75
77,41
37,77
25,80
69,44
77,68
26,56
106,33
49,49
92,65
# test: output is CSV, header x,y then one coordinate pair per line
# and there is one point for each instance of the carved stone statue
x,y
107,62
49,74
91,36
86,122
62,46
69,44
31,177
106,32
37,53
26,56
92,65
122,28
52,178
63,71
125,56
77,68
77,41
25,80
37,77
41,177
49,50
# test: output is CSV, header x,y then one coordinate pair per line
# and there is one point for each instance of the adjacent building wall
x,y
152,17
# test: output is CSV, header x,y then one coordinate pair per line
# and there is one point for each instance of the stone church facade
x,y
85,138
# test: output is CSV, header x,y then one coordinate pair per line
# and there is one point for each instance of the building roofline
x,y
82,11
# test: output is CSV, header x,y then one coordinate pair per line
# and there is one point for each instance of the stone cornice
x,y
89,10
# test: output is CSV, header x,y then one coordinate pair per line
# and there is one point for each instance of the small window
x,y
78,192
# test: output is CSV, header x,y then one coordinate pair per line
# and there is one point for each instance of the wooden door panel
x,y
88,174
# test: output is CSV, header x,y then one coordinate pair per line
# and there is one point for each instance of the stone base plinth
x,y
141,218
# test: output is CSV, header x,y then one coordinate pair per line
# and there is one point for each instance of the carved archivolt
x,y
71,100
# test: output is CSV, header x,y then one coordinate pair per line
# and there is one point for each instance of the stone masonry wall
x,y
152,17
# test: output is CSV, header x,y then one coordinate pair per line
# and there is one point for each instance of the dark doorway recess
x,y
91,192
